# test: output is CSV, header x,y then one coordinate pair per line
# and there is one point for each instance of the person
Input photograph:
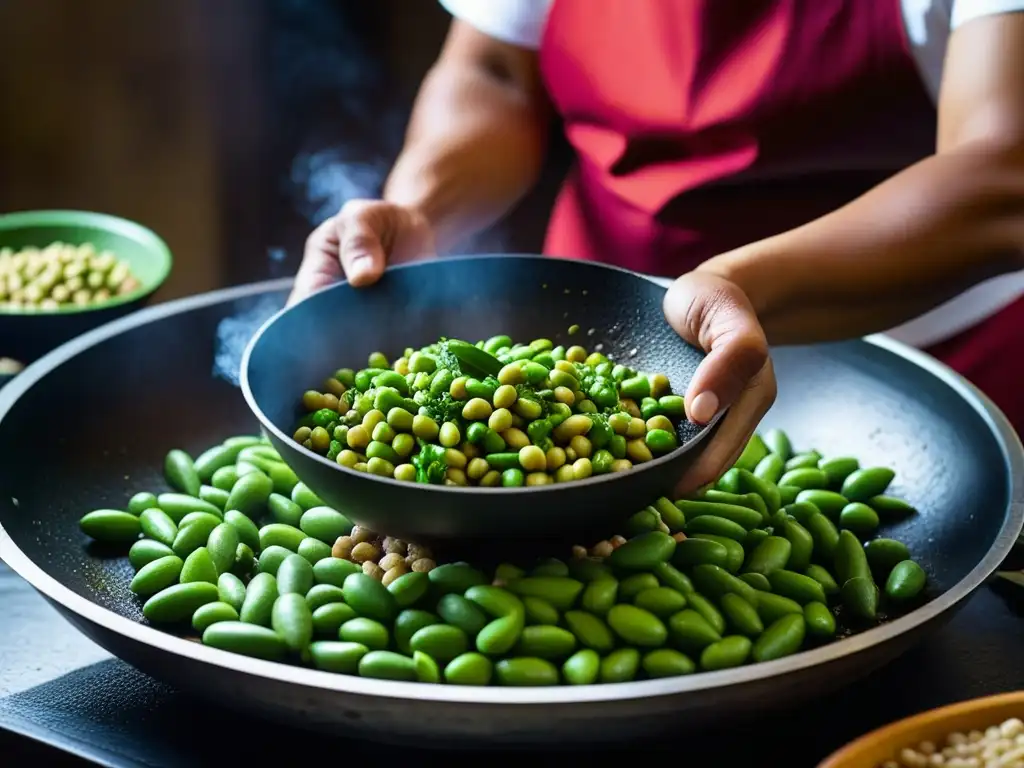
x,y
809,170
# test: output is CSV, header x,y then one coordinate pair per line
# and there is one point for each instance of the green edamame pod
x,y
180,472
369,597
819,619
770,555
224,479
758,581
278,534
323,594
751,500
325,524
867,483
551,566
584,569
332,570
408,623
249,495
295,575
755,537
590,631
823,577
741,615
778,443
796,586
156,576
157,525
906,581
805,478
850,559
561,592
637,626
409,588
459,612
545,642
859,518
806,460
632,586
140,502
178,505
292,619
313,550
387,665
599,595
751,483
304,497
666,662
770,468
260,595
787,494
661,601
337,656
455,577
825,536
802,544
691,632
222,543
442,642
884,554
284,510
193,533
231,590
620,666
783,638
860,596
111,526
838,469
368,632
643,552
246,639
714,582
733,546
706,608
693,551
828,503
525,672
539,611
272,557
469,669
246,529
671,514
178,602
673,578
212,459
145,551
753,452
212,613
199,566
729,652
741,515
644,521
729,482
716,526
890,507
582,668
771,607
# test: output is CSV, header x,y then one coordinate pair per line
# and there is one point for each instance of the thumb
x,y
363,226
714,314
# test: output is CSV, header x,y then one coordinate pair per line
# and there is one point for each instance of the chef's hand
x,y
714,314
358,242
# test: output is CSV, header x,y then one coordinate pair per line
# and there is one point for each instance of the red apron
x,y
703,125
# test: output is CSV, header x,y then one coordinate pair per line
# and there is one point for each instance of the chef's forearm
x,y
477,139
923,236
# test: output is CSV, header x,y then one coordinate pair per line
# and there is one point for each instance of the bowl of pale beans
x,y
65,272
980,733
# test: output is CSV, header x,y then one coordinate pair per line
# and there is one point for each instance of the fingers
x,y
715,315
362,226
320,266
733,432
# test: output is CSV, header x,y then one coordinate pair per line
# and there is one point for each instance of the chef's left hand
x,y
714,314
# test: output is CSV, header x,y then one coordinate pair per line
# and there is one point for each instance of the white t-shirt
x,y
929,24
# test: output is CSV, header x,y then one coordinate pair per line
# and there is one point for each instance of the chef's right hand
x,y
359,242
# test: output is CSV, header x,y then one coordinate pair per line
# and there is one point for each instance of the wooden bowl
x,y
934,725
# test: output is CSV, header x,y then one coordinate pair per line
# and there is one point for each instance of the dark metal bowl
x,y
527,297
146,383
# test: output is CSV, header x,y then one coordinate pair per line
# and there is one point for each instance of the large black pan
x,y
89,424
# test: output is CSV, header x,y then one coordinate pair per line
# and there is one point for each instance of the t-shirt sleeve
x,y
519,22
968,10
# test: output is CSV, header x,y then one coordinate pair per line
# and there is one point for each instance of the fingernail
x,y
704,407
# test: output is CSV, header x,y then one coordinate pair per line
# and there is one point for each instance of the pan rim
x,y
274,672
556,488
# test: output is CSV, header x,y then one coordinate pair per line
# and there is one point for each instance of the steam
x,y
234,333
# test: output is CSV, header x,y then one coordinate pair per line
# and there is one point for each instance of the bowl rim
x,y
851,750
269,426
89,611
115,224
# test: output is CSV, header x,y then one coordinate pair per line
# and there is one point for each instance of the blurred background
x,y
230,127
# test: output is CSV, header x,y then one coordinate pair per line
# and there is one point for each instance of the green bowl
x,y
27,334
